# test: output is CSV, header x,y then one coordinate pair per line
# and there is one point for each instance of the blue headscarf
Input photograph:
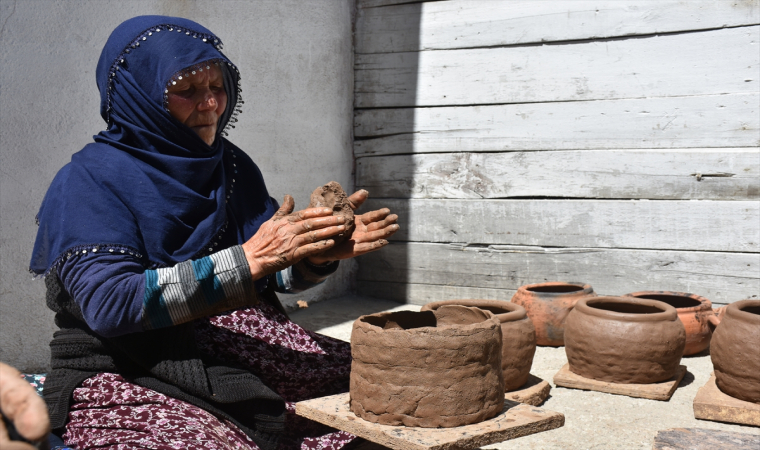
x,y
149,185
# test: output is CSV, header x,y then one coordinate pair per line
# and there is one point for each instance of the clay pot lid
x,y
682,301
557,288
446,316
745,310
639,309
503,310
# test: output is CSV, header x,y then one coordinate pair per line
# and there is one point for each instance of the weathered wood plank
x,y
711,403
381,3
707,174
710,62
732,226
721,277
421,294
662,390
486,23
676,122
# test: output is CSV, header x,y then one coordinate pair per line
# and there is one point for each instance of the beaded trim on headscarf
x,y
200,67
205,37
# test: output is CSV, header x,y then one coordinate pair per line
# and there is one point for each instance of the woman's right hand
x,y
290,236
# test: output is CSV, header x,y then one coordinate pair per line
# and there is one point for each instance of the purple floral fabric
x,y
109,412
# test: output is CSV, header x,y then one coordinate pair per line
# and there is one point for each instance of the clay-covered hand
x,y
290,236
370,233
21,405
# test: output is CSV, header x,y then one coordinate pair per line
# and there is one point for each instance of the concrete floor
x,y
593,420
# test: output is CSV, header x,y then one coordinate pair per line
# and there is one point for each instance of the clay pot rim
x,y
515,313
482,324
668,313
704,303
586,288
735,310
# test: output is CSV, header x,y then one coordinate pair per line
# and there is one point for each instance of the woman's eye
x,y
217,88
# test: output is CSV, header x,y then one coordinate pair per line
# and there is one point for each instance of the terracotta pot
x,y
548,304
695,312
517,333
624,340
437,368
735,351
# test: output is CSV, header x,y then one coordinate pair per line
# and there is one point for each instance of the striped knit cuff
x,y
194,289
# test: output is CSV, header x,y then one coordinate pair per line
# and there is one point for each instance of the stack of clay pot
x,y
694,311
518,337
735,351
437,368
548,304
624,340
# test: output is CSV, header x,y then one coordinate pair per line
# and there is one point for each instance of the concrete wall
x,y
296,62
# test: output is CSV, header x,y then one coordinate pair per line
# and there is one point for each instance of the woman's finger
x,y
287,206
313,249
310,213
358,198
375,216
390,220
377,235
320,222
320,235
366,247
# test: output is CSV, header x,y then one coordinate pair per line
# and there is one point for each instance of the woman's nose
x,y
208,101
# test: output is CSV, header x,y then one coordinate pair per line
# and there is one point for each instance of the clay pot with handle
x,y
624,340
695,312
548,304
735,351
517,333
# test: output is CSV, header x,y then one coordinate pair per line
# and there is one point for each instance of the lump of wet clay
x,y
428,369
333,196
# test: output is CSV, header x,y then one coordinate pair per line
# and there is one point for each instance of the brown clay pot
x,y
624,340
695,312
548,304
735,351
430,369
517,333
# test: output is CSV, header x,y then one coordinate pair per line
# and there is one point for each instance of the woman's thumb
x,y
287,206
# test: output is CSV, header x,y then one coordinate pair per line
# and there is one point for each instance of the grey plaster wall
x,y
296,61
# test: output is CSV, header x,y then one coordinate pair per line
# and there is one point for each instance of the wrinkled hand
x,y
23,407
290,236
369,234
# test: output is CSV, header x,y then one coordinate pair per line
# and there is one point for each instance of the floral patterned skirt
x,y
109,412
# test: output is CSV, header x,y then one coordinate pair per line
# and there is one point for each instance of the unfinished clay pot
x,y
695,312
333,196
624,340
517,333
548,304
429,369
735,351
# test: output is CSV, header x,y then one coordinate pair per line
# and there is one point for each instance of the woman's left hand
x,y
370,233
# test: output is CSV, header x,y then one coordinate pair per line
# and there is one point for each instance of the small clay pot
x,y
735,351
332,195
695,312
517,333
548,304
429,369
624,340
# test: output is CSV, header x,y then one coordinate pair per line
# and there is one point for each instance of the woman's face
x,y
198,101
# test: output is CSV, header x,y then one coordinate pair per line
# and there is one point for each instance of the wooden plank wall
x,y
611,142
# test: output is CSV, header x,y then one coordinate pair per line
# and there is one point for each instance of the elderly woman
x,y
162,252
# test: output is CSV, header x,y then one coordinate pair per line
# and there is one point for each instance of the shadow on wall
x,y
377,277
